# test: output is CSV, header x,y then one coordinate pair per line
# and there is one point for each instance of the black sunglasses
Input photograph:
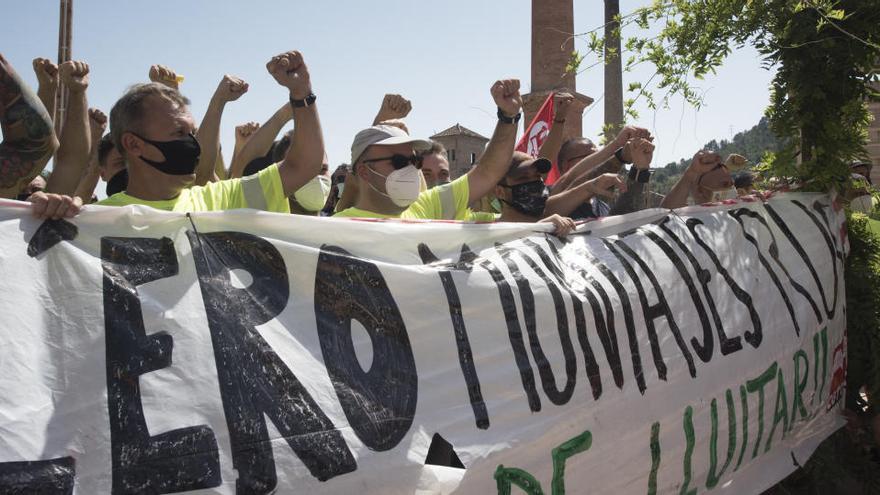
x,y
399,161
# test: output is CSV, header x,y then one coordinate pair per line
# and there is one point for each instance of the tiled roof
x,y
459,130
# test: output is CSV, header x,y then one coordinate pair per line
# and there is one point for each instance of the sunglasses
x,y
399,161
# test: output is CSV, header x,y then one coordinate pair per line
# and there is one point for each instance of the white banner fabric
x,y
246,352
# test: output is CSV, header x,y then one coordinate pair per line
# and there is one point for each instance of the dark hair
x,y
745,179
128,112
104,147
566,150
435,149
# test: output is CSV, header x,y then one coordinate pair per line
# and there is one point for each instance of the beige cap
x,y
383,135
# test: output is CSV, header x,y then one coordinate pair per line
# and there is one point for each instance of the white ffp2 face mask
x,y
401,186
313,195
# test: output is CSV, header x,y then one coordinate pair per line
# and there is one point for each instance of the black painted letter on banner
x,y
51,477
254,381
379,403
174,461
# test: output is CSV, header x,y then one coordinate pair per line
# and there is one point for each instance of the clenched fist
x,y
164,75
75,75
395,107
563,102
631,132
97,123
245,131
230,88
290,71
703,162
506,95
47,72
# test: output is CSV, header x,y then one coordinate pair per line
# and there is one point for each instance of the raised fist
x,y
230,88
563,102
164,75
604,185
703,161
290,71
640,152
506,95
395,107
97,123
47,72
631,132
244,132
75,75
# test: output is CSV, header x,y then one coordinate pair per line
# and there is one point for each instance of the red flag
x,y
536,133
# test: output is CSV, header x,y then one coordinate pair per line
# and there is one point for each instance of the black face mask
x,y
181,155
117,183
529,198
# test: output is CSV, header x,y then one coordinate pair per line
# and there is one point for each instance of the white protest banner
x,y
245,352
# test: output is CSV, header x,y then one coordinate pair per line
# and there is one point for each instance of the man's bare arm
x,y
230,88
72,158
261,140
28,135
47,83
495,161
306,152
89,180
551,146
575,175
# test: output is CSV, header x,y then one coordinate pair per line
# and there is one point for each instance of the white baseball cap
x,y
384,135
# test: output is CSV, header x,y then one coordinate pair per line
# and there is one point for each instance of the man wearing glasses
x,y
386,162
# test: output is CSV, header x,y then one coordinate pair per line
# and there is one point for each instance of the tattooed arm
x,y
28,136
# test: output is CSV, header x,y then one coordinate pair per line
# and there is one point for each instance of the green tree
x,y
824,52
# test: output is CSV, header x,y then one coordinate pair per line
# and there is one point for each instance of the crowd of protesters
x,y
156,155
151,151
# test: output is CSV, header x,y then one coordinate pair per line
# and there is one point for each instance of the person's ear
x,y
500,192
132,144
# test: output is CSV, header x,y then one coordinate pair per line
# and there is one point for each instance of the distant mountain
x,y
751,144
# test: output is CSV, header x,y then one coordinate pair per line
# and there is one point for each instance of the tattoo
x,y
28,134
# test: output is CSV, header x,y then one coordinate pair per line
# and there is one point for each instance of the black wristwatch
x,y
305,102
619,155
508,120
639,175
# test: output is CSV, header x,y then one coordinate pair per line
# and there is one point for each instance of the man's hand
x,y
244,132
564,225
75,75
47,73
164,75
506,95
54,206
631,132
604,185
704,161
290,71
97,124
393,107
641,151
563,102
230,88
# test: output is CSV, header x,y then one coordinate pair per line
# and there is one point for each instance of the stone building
x,y
464,148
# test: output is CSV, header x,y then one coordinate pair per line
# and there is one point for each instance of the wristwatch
x,y
508,120
305,102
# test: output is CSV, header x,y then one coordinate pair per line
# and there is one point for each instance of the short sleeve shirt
x,y
262,191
